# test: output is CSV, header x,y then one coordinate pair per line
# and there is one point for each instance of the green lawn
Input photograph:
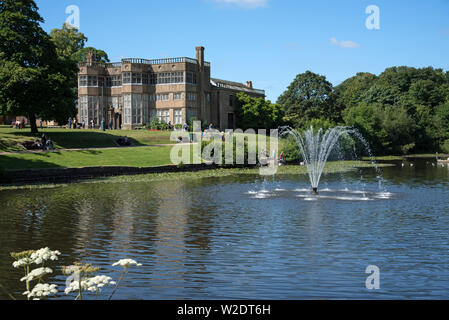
x,y
10,138
133,157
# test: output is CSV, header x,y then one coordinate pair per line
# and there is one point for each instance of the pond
x,y
244,236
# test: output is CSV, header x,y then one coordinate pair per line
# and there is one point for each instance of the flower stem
x,y
118,283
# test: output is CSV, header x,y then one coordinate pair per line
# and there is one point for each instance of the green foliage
x,y
400,111
100,55
256,113
292,151
155,124
220,143
68,41
309,96
34,81
445,146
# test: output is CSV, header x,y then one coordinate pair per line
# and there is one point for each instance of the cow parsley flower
x,y
41,290
126,263
44,254
23,258
93,284
36,274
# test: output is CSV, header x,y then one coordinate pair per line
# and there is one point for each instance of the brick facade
x,y
174,90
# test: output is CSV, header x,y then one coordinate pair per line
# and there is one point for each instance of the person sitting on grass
x,y
50,145
44,142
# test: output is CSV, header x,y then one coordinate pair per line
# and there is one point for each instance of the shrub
x,y
204,144
291,150
445,146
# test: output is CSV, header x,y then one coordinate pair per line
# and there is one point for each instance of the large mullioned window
x,y
135,109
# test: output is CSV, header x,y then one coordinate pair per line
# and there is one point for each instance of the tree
x,y
100,55
256,113
68,41
34,81
309,96
441,123
350,92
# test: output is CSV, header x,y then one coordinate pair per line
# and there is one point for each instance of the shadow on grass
x,y
71,139
17,163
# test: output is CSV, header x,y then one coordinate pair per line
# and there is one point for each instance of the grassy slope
x,y
69,139
134,157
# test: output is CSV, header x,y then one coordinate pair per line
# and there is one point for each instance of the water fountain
x,y
316,147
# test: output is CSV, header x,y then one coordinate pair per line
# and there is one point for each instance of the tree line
x,y
403,110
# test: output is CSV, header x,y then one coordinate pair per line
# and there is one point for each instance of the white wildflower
x,y
44,254
126,263
36,274
41,290
22,262
89,284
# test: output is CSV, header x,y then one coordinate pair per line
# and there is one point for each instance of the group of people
x,y
74,124
44,143
18,124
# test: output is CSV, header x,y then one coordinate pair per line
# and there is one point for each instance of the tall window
x,y
190,96
84,109
108,82
177,96
93,108
117,81
178,116
231,100
116,102
191,77
92,81
101,82
127,78
145,107
127,109
145,78
83,81
137,109
153,78
163,115
137,78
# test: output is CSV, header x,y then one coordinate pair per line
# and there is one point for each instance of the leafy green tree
x,y
68,41
349,93
309,96
441,124
100,55
257,113
34,81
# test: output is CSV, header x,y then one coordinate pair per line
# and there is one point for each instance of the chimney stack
x,y
90,58
200,56
249,84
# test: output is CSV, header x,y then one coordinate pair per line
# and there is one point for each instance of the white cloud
x,y
346,44
249,4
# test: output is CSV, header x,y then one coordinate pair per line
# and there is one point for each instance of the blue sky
x,y
266,41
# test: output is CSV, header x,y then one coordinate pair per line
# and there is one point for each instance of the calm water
x,y
245,237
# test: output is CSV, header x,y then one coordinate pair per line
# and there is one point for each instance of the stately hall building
x,y
174,90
